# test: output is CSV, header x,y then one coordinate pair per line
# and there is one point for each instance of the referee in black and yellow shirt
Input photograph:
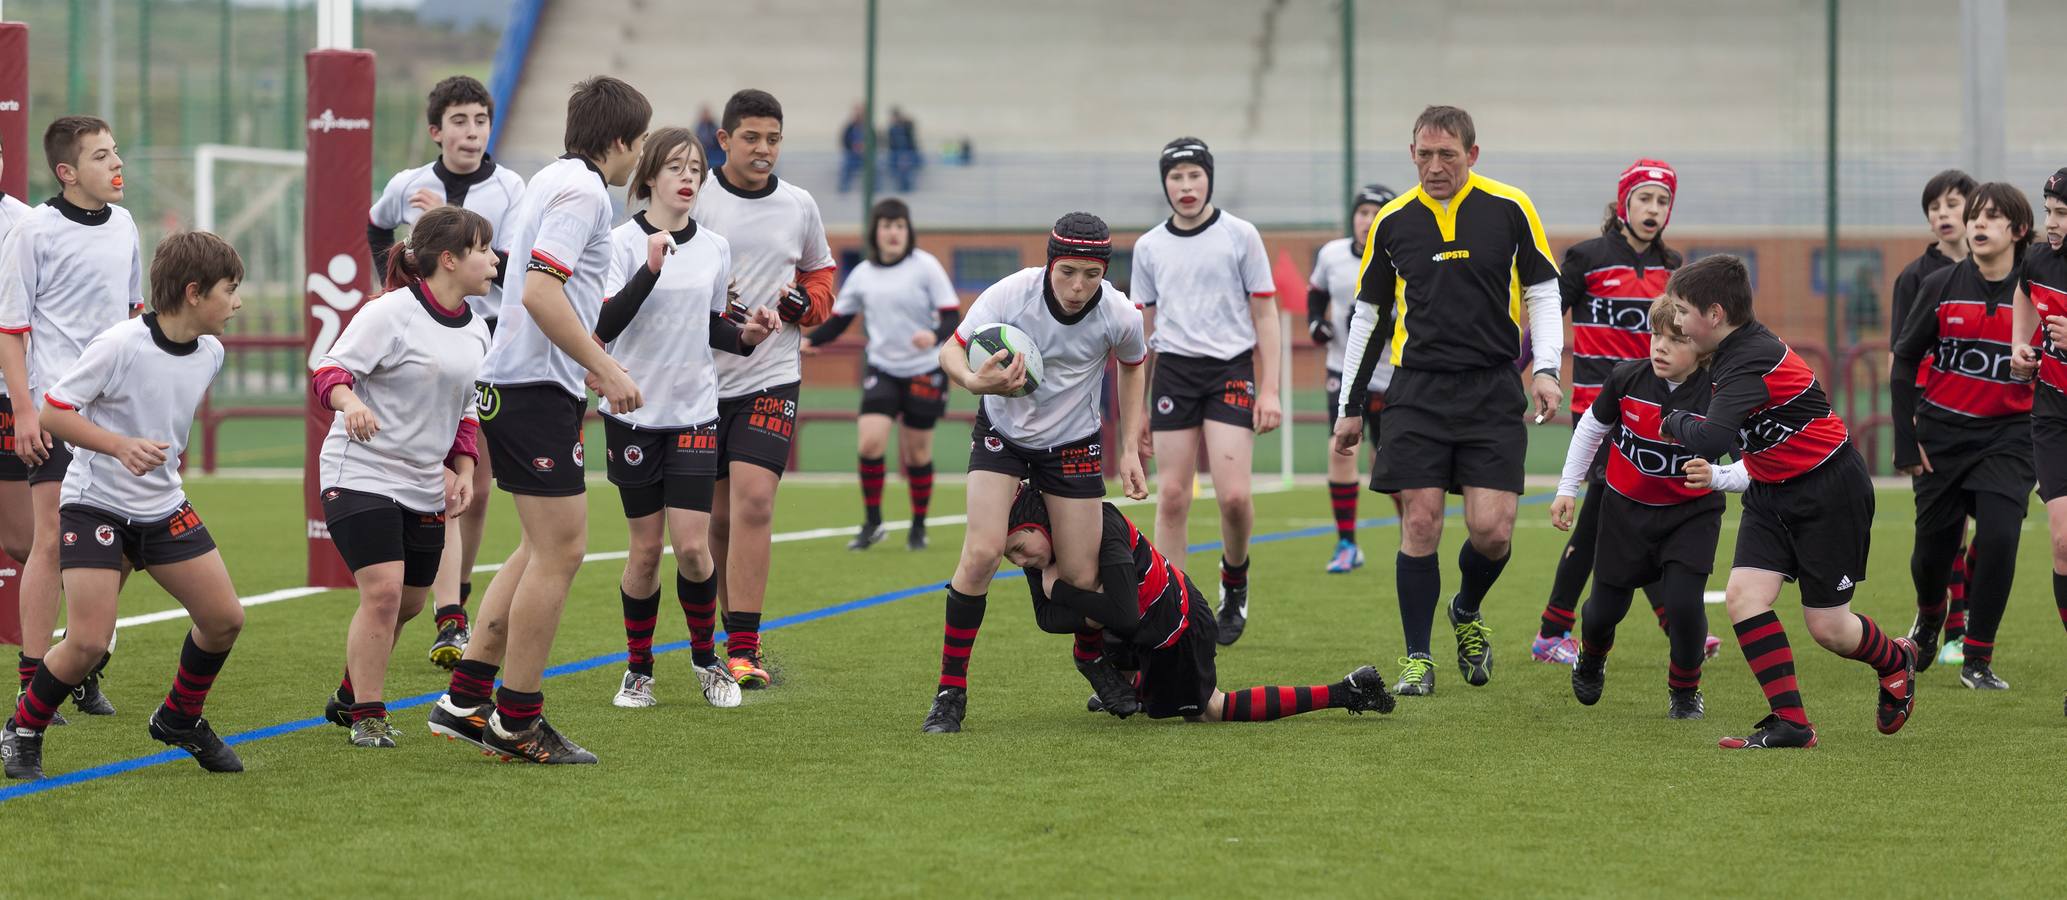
x,y
1448,269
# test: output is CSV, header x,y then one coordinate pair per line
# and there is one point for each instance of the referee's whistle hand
x,y
1547,394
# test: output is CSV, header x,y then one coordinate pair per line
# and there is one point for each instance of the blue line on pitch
x,y
110,770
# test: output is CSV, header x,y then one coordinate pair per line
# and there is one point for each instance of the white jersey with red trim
x,y
896,302
561,226
667,346
775,233
1066,405
1199,281
491,190
11,211
135,382
413,365
1335,270
66,275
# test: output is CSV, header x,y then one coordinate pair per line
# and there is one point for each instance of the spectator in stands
x,y
905,158
707,135
853,147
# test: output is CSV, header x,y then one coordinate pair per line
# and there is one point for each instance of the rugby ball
x,y
992,338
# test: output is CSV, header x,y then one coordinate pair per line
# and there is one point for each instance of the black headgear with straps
x,y
1375,194
1080,235
1186,150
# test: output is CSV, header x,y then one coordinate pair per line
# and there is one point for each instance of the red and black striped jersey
x,y
1643,466
2044,280
1963,322
1766,407
1926,264
1161,588
1608,288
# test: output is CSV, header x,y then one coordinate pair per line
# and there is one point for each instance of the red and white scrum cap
x,y
1640,173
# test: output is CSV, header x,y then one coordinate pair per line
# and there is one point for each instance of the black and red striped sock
x,y
454,614
872,488
964,618
345,694
1876,649
1956,593
473,682
466,590
1680,679
1342,499
1234,577
371,709
25,668
197,671
1556,622
641,614
2060,596
1979,652
1764,642
699,601
1595,647
1264,704
518,710
1089,645
40,699
1658,610
920,480
743,634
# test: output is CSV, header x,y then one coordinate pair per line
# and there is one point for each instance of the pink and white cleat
x,y
1711,648
1562,651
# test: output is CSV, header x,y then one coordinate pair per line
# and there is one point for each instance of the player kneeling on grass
x,y
1808,514
1169,630
127,407
1047,432
667,283
1654,527
401,378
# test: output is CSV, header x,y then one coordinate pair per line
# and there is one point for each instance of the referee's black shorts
x,y
1451,430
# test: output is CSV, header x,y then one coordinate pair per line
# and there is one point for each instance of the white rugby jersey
x,y
1335,270
895,302
1199,281
11,211
562,222
413,365
667,346
1065,406
490,190
133,381
775,232
66,275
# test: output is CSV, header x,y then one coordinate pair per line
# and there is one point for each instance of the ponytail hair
x,y
446,229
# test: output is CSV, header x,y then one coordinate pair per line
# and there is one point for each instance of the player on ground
x,y
70,269
1608,284
400,380
1944,209
461,113
17,521
908,306
1149,604
1052,436
1444,272
1965,438
1330,297
667,282
2041,350
780,260
126,405
1808,515
1654,529
532,400
1204,283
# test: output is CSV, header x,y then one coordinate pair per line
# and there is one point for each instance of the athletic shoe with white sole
x,y
634,692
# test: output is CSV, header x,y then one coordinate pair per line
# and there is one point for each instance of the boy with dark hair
x,y
2040,332
1203,281
1967,445
1808,514
780,259
1148,602
127,405
1330,296
534,390
460,113
908,306
1656,530
1944,209
70,269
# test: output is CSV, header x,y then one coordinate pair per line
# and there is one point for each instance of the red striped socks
x,y
1877,650
1264,704
1342,498
473,682
1680,679
920,480
964,618
518,710
699,601
197,671
39,699
641,614
872,487
1765,647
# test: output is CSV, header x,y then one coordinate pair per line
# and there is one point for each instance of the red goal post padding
x,y
340,191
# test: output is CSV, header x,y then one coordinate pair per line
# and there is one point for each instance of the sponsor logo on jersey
x,y
488,399
634,455
105,534
1448,255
